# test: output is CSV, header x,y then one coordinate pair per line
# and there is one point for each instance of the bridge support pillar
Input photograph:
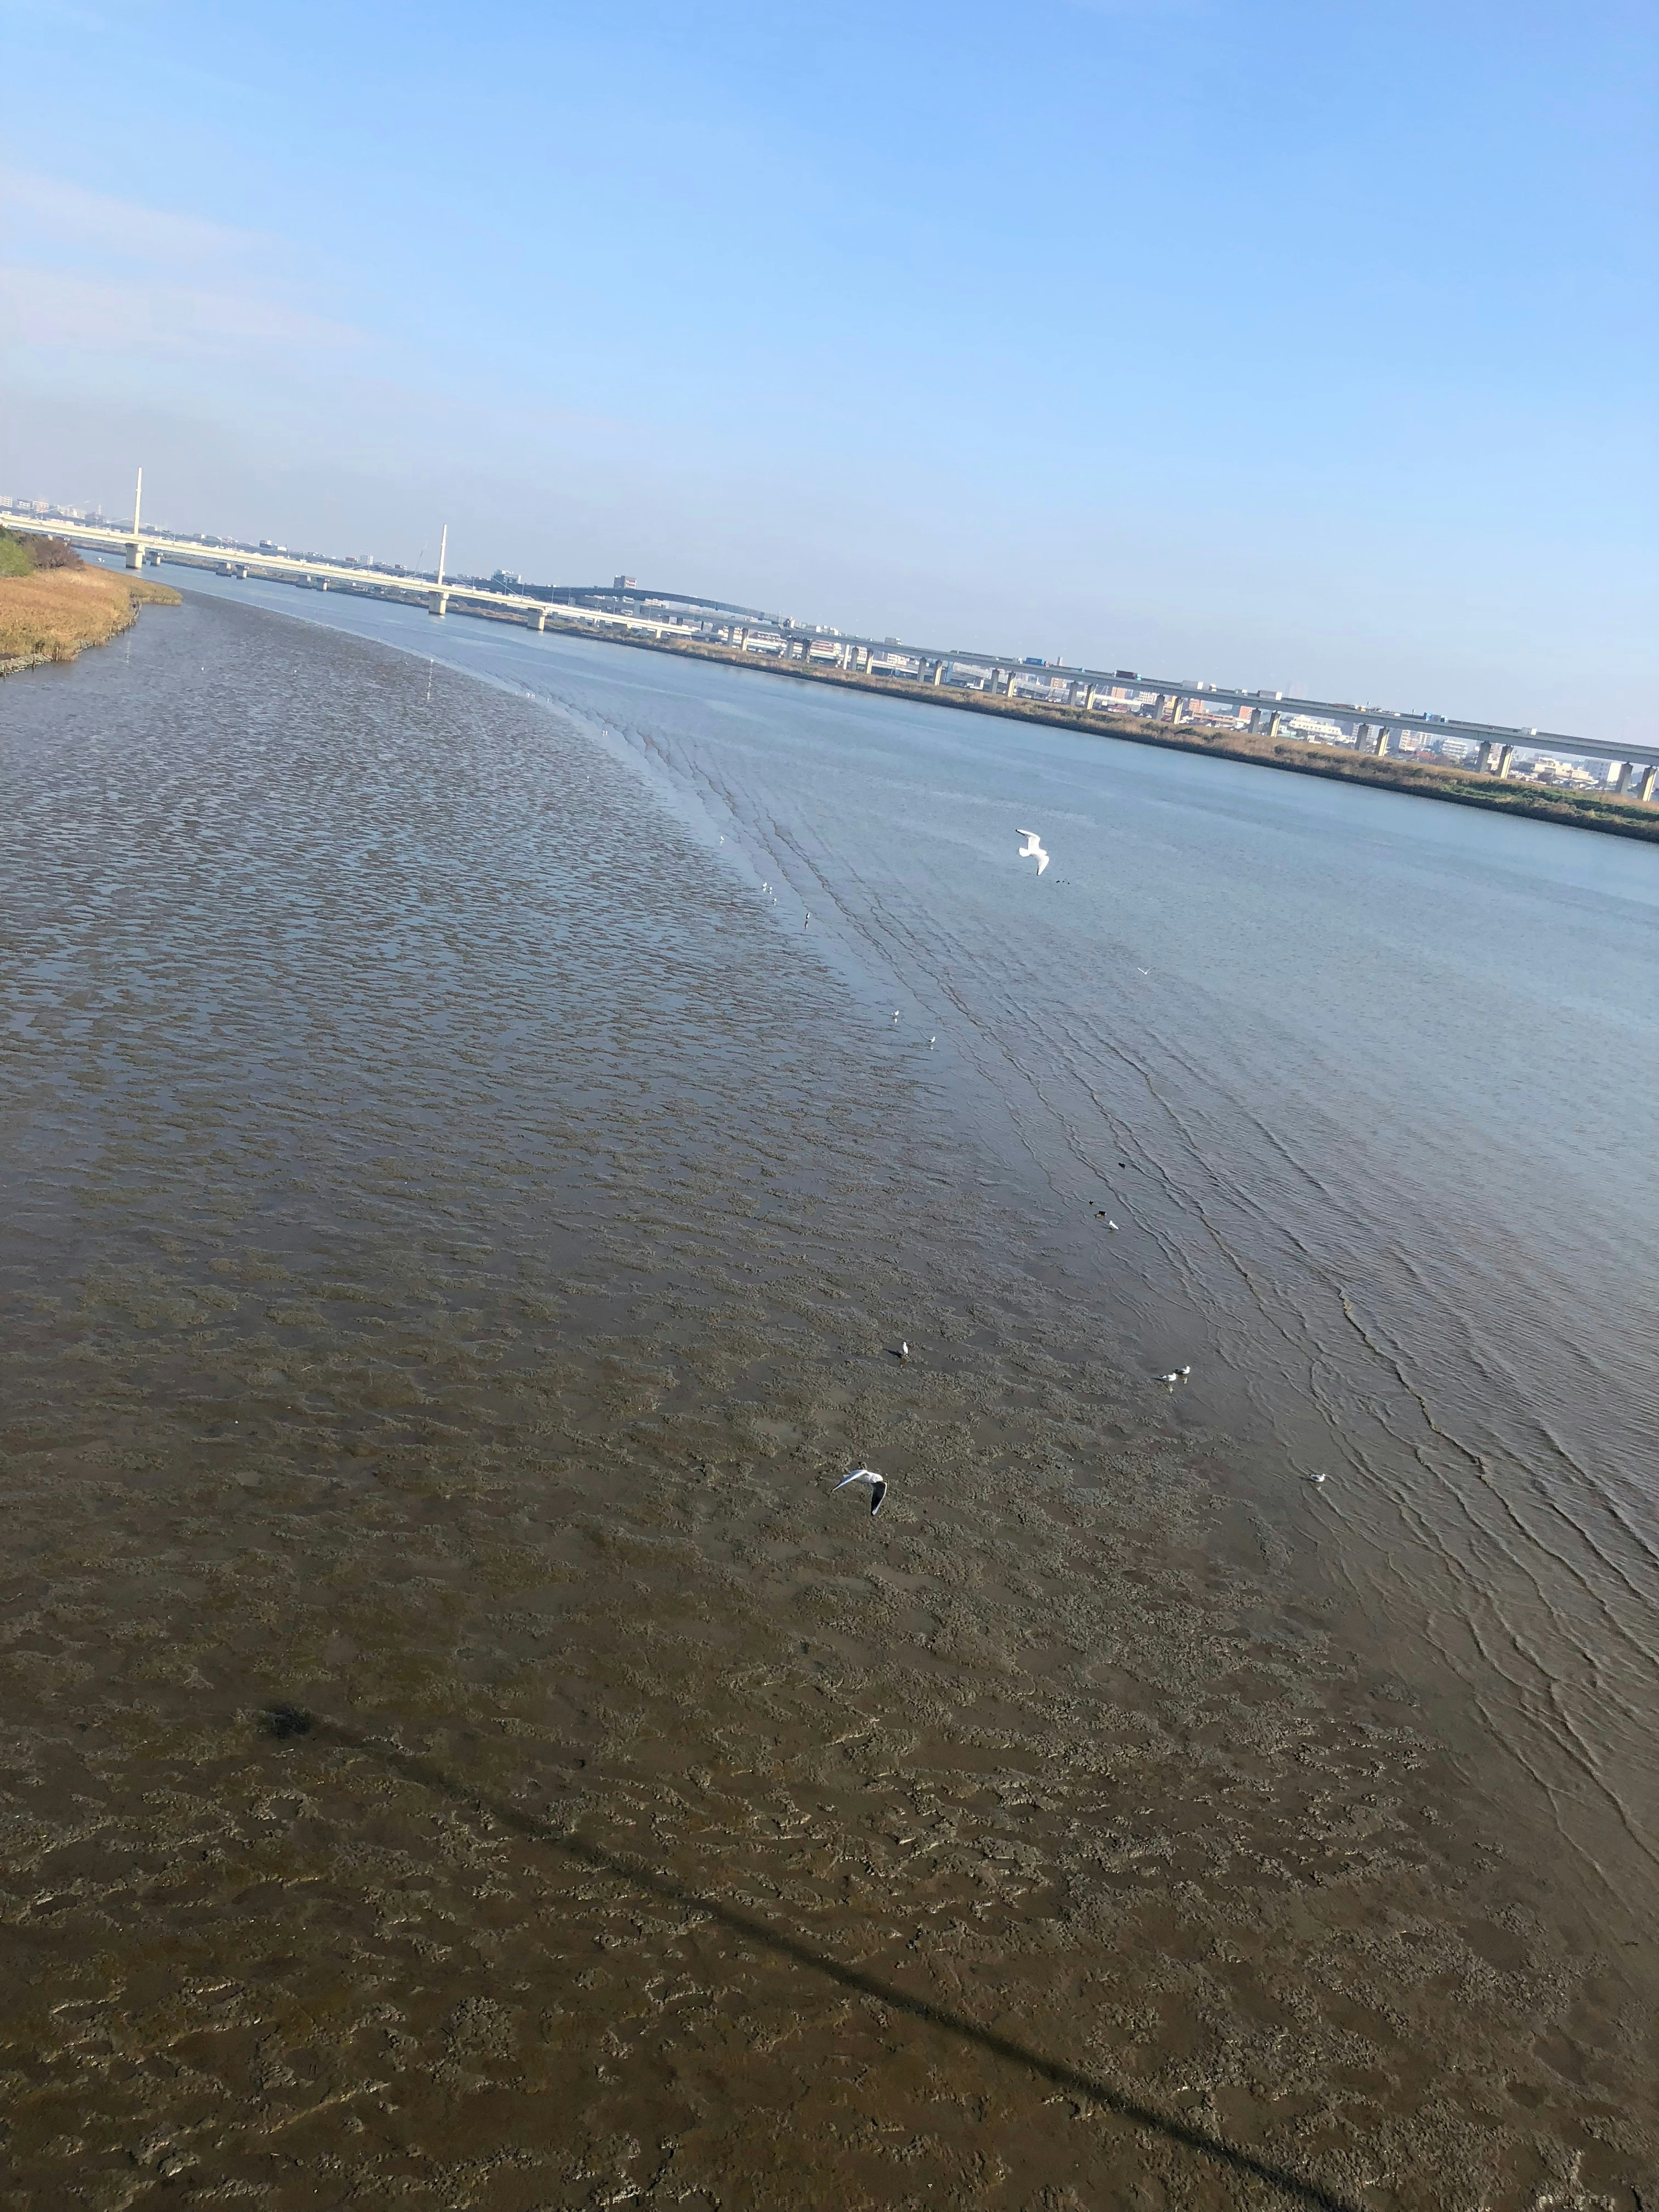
x,y
537,621
438,605
938,677
1650,777
1504,760
1628,772
135,554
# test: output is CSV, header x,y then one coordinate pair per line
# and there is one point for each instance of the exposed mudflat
x,y
455,1240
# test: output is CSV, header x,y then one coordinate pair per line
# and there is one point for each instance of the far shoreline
x,y
1455,786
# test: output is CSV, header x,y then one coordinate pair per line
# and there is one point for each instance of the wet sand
x,y
453,1244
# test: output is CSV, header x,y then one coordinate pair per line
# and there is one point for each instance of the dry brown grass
x,y
51,614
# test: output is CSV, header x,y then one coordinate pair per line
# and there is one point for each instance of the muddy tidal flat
x,y
458,1751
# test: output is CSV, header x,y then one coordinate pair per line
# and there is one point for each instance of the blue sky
x,y
1303,345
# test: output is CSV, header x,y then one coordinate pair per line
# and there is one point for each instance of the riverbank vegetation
x,y
52,604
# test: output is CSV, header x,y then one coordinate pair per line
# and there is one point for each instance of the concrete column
x,y
537,621
1177,711
1626,777
938,677
1383,733
438,605
1650,777
1504,760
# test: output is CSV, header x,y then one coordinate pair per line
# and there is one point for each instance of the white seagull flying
x,y
878,1485
1032,849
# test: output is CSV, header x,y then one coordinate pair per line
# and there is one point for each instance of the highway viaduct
x,y
1175,700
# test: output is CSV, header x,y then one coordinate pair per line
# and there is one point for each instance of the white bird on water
x,y
878,1485
1032,849
1318,1478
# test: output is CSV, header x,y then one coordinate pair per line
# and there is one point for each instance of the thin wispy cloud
x,y
46,212
50,308
96,273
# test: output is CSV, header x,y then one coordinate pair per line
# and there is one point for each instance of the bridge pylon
x,y
136,545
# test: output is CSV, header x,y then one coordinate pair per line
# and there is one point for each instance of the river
x,y
416,1080
1371,1087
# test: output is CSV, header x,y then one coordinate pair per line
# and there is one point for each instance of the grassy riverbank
x,y
51,606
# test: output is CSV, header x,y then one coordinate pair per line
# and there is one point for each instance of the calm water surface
x,y
1368,1085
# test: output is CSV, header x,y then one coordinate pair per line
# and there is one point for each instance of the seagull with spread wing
x,y
878,1485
